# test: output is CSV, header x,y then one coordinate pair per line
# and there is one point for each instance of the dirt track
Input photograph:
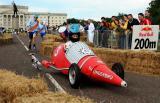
x,y
141,89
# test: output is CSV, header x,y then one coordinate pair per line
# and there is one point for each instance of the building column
x,y
19,21
23,22
2,20
11,21
7,21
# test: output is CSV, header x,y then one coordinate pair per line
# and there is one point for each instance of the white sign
x,y
145,37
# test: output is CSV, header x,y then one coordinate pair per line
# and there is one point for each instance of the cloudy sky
x,y
84,9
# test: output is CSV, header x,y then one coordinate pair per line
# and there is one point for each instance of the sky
x,y
84,9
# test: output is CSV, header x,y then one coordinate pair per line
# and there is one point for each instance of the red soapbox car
x,y
75,59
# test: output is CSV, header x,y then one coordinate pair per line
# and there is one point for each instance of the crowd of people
x,y
122,29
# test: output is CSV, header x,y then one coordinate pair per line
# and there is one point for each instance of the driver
x,y
74,35
74,49
74,32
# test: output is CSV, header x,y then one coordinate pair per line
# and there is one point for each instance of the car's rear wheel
x,y
74,76
118,69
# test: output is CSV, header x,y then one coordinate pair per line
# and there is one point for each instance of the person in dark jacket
x,y
103,35
132,21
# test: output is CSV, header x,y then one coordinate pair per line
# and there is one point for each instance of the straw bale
x,y
46,47
155,64
47,42
134,62
90,44
12,85
55,38
44,44
48,50
83,38
110,56
23,34
6,39
19,89
1,100
83,34
49,97
145,63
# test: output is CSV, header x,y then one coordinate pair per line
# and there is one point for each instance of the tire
x,y
118,69
74,76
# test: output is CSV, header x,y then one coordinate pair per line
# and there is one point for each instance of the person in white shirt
x,y
91,29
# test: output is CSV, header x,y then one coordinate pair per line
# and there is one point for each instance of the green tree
x,y
154,10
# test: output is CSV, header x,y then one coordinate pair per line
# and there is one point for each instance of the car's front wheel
x,y
118,69
74,75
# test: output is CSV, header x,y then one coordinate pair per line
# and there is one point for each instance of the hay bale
x,y
134,62
110,56
23,34
44,44
12,85
6,39
2,100
48,50
47,47
54,38
83,34
19,89
83,38
90,44
49,97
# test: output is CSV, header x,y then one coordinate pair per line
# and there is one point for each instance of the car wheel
x,y
118,69
74,75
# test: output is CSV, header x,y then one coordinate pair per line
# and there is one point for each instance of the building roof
x,y
10,6
28,13
47,13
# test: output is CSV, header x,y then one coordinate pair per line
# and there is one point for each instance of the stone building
x,y
8,21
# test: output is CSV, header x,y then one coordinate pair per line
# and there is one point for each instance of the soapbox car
x,y
75,59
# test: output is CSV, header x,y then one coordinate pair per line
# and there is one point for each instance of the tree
x,y
154,10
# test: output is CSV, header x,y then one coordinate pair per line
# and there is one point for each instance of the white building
x,y
8,21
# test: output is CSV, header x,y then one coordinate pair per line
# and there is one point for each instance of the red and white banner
x,y
145,37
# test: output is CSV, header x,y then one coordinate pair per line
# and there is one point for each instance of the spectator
x,y
65,33
103,36
147,15
132,21
85,26
106,24
116,31
97,35
98,25
91,29
113,24
124,26
143,20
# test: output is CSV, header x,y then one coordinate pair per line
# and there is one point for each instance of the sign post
x,y
145,37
